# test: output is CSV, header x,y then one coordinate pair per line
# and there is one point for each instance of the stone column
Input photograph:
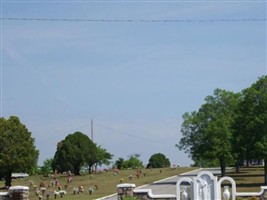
x,y
19,192
4,196
125,190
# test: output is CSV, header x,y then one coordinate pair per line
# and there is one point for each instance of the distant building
x,y
19,175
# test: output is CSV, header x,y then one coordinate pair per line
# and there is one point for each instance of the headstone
x,y
4,196
201,187
205,185
19,192
125,189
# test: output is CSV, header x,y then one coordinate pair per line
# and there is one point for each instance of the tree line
x,y
228,129
77,151
157,160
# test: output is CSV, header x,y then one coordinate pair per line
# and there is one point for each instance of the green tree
x,y
251,123
47,166
119,163
159,160
207,133
17,150
103,157
133,162
73,152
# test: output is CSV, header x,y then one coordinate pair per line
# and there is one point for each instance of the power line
x,y
106,127
166,145
135,20
130,135
61,134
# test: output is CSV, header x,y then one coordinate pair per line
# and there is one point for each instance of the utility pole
x,y
92,131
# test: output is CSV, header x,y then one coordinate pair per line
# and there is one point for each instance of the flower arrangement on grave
x,y
48,196
42,184
91,190
42,189
66,186
62,192
37,192
31,183
75,190
81,189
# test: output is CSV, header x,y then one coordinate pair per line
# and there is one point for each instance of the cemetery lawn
x,y
248,180
105,181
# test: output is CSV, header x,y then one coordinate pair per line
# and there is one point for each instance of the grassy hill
x,y
248,180
106,182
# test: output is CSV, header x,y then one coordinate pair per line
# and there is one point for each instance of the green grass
x,y
248,180
106,182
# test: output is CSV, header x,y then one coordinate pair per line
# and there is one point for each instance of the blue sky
x,y
134,79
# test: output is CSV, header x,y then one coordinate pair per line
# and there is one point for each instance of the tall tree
x,y
133,162
73,152
119,163
47,166
251,123
100,157
17,150
159,160
207,133
103,157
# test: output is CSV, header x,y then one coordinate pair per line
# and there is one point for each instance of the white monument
x,y
205,186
